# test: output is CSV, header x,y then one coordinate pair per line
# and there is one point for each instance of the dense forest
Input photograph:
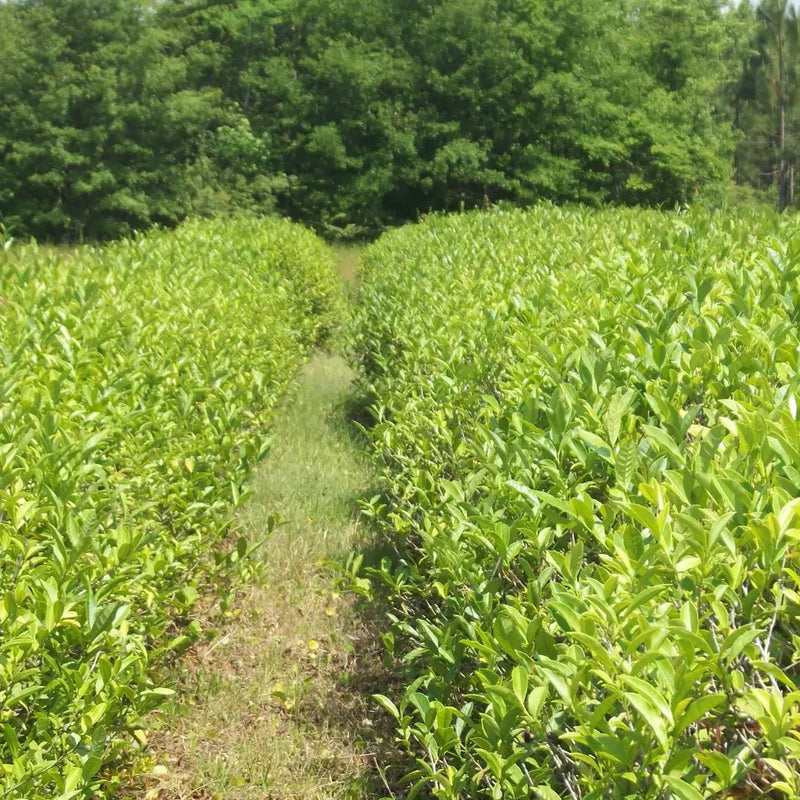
x,y
351,116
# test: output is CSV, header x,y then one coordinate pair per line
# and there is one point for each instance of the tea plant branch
x,y
765,644
779,596
565,771
380,772
528,776
38,773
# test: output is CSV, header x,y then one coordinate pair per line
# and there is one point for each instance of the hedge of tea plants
x,y
137,384
588,425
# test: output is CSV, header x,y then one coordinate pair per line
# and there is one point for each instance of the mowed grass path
x,y
277,706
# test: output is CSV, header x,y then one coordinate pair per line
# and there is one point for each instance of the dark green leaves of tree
x,y
115,114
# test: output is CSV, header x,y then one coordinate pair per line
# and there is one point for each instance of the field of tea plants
x,y
588,426
137,383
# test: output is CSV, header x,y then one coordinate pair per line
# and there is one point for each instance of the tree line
x,y
352,116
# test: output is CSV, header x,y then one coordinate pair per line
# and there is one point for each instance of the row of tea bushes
x,y
588,426
137,384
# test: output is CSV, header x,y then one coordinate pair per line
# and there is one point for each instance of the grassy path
x,y
277,707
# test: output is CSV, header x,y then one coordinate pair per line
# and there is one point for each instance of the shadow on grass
x,y
377,671
356,418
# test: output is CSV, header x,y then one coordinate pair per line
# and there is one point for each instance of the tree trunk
x,y
783,167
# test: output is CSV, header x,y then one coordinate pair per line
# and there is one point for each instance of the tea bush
x,y
137,384
588,425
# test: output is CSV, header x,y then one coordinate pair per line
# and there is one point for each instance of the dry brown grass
x,y
277,707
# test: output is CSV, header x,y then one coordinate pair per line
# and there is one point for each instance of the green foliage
x,y
608,102
138,383
103,130
588,423
118,114
453,103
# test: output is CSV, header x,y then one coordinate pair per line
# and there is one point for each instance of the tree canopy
x,y
117,114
